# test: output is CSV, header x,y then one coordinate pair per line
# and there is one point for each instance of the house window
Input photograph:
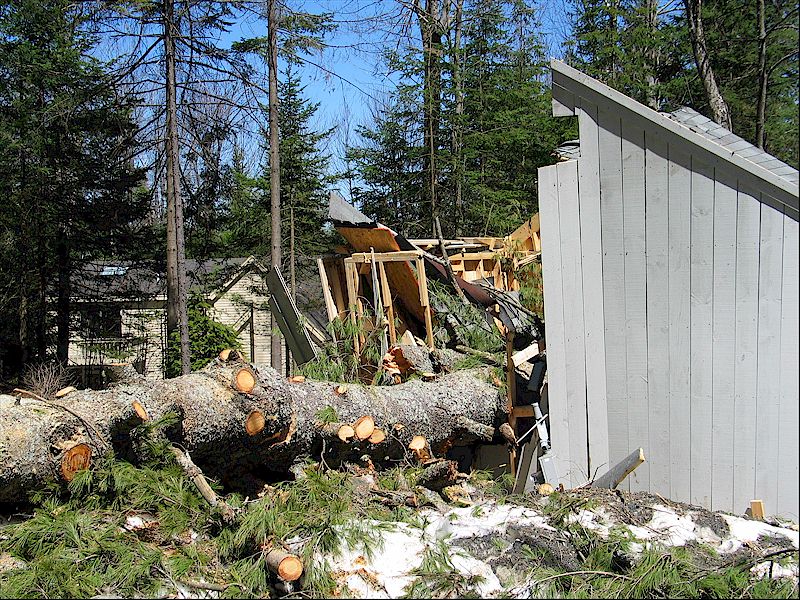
x,y
101,321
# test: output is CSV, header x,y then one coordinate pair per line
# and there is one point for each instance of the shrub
x,y
207,338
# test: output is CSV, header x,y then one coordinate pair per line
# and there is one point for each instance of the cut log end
x,y
419,446
140,410
297,379
377,436
364,427
230,355
64,391
77,458
346,433
340,390
254,423
287,566
245,380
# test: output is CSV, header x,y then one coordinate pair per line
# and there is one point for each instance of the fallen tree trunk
x,y
227,430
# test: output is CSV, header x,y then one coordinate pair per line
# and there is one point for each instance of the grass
x,y
77,543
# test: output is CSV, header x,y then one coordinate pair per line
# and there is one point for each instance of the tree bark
x,y
458,126
177,313
763,77
274,167
719,107
62,301
215,422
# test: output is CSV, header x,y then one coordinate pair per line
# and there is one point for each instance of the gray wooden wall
x,y
671,310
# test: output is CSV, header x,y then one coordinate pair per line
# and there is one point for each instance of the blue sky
x,y
353,78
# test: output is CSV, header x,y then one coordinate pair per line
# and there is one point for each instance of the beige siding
x,y
149,325
233,307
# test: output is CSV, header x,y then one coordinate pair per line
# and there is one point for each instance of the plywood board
x,y
400,275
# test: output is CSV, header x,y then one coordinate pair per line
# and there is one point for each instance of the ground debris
x,y
125,531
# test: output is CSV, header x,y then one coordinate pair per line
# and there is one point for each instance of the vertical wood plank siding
x,y
671,309
788,415
610,150
635,268
680,412
574,345
701,281
592,267
748,232
769,357
724,340
658,358
554,318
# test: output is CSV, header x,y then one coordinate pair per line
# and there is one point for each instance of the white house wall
x,y
671,309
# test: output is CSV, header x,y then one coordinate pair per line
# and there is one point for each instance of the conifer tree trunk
x,y
236,417
458,127
62,299
177,314
761,109
274,167
719,108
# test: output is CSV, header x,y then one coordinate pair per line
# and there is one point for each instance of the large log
x,y
225,429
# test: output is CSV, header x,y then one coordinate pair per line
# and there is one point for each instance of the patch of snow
x,y
746,530
483,519
468,566
777,570
596,520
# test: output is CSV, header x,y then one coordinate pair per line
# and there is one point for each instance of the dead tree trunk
x,y
274,167
177,313
719,108
225,428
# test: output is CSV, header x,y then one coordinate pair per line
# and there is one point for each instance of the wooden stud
x,y
349,277
330,307
423,300
387,303
757,509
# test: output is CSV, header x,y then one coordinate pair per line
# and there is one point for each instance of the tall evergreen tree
x,y
304,166
65,171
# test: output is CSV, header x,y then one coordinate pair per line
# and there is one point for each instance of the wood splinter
x,y
244,380
65,391
140,410
287,566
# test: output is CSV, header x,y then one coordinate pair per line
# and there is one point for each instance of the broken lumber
x,y
614,476
222,429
